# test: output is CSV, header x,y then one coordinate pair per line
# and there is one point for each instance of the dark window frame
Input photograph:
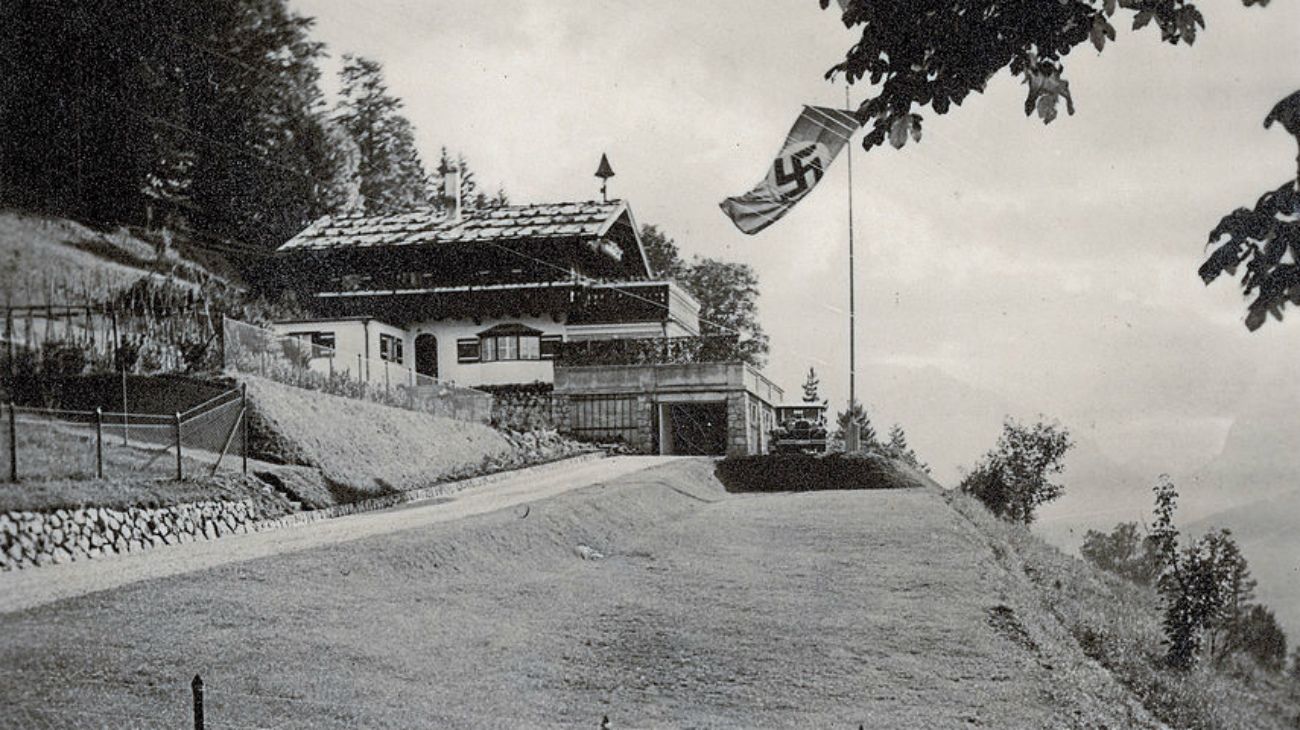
x,y
323,342
391,348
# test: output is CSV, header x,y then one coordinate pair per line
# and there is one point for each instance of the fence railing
x,y
45,444
295,361
110,702
651,351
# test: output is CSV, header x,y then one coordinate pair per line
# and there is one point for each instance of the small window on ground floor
x,y
322,342
549,346
390,348
467,350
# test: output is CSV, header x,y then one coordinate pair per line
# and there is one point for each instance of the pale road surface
x,y
23,589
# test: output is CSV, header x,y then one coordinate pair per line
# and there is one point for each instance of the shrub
x,y
1012,479
1123,552
60,359
1257,634
806,473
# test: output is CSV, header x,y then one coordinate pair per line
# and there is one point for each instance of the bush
x,y
1124,553
1012,479
806,473
61,359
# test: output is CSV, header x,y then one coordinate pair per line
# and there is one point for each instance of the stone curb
x,y
441,489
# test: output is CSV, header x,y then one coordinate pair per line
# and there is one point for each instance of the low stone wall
x,y
29,539
528,407
40,538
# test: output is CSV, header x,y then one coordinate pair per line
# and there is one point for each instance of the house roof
x,y
591,219
509,328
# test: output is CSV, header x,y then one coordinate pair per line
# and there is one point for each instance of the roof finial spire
x,y
604,172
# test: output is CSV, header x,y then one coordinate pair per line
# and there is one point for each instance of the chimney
x,y
451,191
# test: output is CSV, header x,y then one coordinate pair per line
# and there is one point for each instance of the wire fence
x,y
106,702
45,444
296,361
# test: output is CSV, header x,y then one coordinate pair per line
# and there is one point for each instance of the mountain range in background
x,y
1251,486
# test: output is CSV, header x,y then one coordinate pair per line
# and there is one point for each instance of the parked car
x,y
801,428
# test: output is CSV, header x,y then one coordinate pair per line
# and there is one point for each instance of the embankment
x,y
365,450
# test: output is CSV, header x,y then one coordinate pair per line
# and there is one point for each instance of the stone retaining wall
x,y
30,539
40,538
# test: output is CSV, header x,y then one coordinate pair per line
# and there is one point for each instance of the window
x,y
549,346
507,348
390,348
510,342
322,343
467,350
530,348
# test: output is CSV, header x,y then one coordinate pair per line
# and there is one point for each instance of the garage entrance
x,y
693,429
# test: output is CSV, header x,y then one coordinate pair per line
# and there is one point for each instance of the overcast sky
x,y
1054,266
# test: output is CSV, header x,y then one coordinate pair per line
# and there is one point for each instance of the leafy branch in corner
x,y
919,53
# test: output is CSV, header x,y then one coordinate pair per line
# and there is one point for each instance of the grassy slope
x,y
365,449
38,251
826,609
1117,624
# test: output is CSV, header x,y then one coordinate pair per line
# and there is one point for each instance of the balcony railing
x,y
613,304
651,351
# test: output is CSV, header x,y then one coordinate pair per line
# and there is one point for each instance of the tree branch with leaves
x,y
934,53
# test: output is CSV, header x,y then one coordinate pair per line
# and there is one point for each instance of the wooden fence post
x,y
13,443
243,424
196,687
9,342
99,443
126,424
180,472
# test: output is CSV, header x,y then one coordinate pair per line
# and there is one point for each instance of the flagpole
x,y
853,396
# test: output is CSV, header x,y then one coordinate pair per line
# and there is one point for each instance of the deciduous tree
x,y
728,297
1124,552
1014,478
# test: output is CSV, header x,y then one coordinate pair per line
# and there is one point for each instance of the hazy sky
x,y
1054,266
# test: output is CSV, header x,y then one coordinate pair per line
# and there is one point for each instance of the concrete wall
x,y
750,397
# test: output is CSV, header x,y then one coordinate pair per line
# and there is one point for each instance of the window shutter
x,y
467,350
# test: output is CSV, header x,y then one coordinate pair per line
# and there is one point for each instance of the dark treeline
x,y
203,117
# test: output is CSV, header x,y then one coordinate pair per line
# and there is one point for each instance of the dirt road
x,y
657,600
28,588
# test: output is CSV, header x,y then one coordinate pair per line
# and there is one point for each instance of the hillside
x,y
654,598
362,449
41,254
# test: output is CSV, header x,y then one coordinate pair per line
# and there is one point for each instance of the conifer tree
x,y
810,386
389,167
856,413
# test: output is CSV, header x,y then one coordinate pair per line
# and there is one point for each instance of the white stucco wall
x,y
448,331
353,338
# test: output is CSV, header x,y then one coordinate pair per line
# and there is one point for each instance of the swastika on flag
x,y
799,168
